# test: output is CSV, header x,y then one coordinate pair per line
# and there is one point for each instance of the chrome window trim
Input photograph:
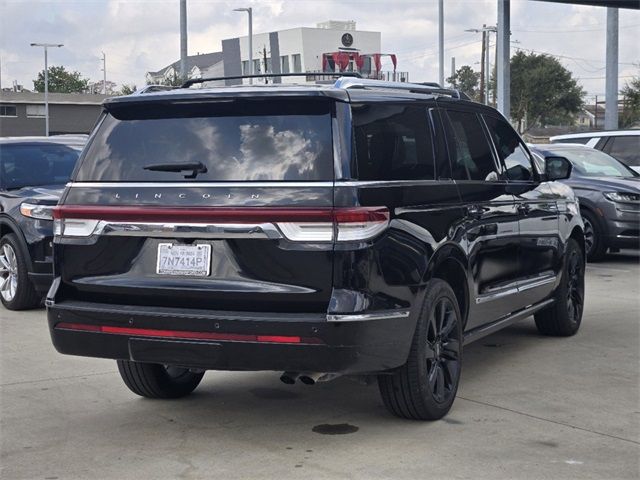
x,y
361,317
337,183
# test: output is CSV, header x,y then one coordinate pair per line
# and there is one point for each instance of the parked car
x,y
357,228
33,172
621,144
609,195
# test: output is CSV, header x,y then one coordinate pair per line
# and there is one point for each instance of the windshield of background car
x,y
241,140
32,165
594,163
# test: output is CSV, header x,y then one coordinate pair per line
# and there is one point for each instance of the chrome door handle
x,y
474,211
524,208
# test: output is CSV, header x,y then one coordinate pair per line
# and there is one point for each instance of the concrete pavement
x,y
529,407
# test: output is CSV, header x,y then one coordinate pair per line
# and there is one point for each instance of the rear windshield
x,y
37,164
234,141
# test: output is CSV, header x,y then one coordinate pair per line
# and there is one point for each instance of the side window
x,y
471,157
392,142
625,149
510,150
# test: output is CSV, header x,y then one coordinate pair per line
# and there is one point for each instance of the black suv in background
x,y
33,172
357,228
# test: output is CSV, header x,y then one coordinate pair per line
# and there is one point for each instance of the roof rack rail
x,y
427,87
153,88
193,81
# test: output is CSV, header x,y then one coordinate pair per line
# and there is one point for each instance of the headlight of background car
x,y
40,212
623,197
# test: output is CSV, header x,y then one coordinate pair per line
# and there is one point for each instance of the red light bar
x,y
220,214
150,332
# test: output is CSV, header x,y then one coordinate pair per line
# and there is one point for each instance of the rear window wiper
x,y
195,168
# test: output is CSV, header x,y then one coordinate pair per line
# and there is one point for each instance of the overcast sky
x,y
138,35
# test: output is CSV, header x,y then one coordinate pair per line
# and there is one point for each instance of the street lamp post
x,y
487,63
46,82
250,13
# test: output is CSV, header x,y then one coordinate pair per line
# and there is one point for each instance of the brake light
x,y
296,224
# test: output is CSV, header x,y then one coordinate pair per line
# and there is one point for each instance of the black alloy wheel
x,y
564,316
425,387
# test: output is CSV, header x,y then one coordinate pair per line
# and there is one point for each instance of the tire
x,y
152,380
424,388
563,317
16,290
595,246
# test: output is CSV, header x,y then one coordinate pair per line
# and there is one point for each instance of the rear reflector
x,y
296,224
154,333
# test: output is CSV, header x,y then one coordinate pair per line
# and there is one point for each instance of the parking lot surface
x,y
528,407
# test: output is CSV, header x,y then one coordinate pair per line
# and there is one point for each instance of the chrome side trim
x,y
626,210
627,237
538,282
484,330
361,317
202,230
519,287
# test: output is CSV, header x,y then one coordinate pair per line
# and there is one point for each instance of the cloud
x,y
139,35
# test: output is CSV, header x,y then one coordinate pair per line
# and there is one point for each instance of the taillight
x,y
296,224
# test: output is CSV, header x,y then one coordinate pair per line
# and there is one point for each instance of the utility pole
x,y
487,67
250,14
104,74
482,63
441,41
183,40
453,69
503,66
46,82
611,82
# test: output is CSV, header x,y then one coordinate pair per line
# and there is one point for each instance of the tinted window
x,y
33,165
471,156
235,141
510,149
393,142
626,149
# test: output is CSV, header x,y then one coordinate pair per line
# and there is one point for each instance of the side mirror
x,y
557,168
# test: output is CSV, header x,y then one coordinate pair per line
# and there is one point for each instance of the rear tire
x,y
563,318
424,388
152,380
16,290
595,246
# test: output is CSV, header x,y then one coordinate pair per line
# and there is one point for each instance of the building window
x,y
245,67
256,66
284,64
8,111
35,111
297,63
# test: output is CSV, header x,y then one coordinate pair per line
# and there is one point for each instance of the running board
x,y
479,332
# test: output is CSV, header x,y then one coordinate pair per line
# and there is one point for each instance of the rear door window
x,y
469,148
510,149
234,141
393,142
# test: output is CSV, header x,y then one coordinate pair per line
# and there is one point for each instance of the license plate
x,y
194,260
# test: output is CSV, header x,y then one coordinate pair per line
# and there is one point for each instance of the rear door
x,y
491,220
221,205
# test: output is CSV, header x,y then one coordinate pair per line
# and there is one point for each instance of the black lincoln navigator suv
x,y
356,228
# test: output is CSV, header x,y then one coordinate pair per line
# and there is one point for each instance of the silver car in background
x,y
609,196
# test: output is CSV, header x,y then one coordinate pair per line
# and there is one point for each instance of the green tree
x,y
61,81
631,103
466,80
543,92
127,89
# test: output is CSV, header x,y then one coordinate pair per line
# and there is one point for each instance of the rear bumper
x,y
231,340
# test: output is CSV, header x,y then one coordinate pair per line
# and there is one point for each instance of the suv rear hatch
x,y
222,205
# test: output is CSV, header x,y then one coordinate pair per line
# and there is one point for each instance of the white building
x,y
330,47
